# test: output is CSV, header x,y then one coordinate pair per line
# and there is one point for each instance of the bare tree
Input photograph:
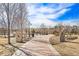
x,y
3,23
43,28
11,18
21,19
7,9
17,16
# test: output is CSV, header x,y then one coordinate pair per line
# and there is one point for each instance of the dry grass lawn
x,y
5,48
3,40
70,48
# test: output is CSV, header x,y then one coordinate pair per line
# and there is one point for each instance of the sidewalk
x,y
38,46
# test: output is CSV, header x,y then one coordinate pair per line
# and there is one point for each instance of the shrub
x,y
54,40
72,37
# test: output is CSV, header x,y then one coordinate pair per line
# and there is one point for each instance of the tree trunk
x,y
8,23
62,36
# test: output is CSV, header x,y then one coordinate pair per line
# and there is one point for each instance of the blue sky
x,y
51,14
73,13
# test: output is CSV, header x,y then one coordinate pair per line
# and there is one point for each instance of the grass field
x,y
70,48
5,48
3,40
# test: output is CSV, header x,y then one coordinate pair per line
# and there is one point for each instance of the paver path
x,y
38,46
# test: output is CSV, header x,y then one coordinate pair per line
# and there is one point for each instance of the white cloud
x,y
41,18
45,9
54,16
33,10
38,21
71,22
37,16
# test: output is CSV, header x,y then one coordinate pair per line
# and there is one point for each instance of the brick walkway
x,y
38,46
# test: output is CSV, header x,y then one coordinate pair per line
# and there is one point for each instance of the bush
x,y
54,40
72,37
56,33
